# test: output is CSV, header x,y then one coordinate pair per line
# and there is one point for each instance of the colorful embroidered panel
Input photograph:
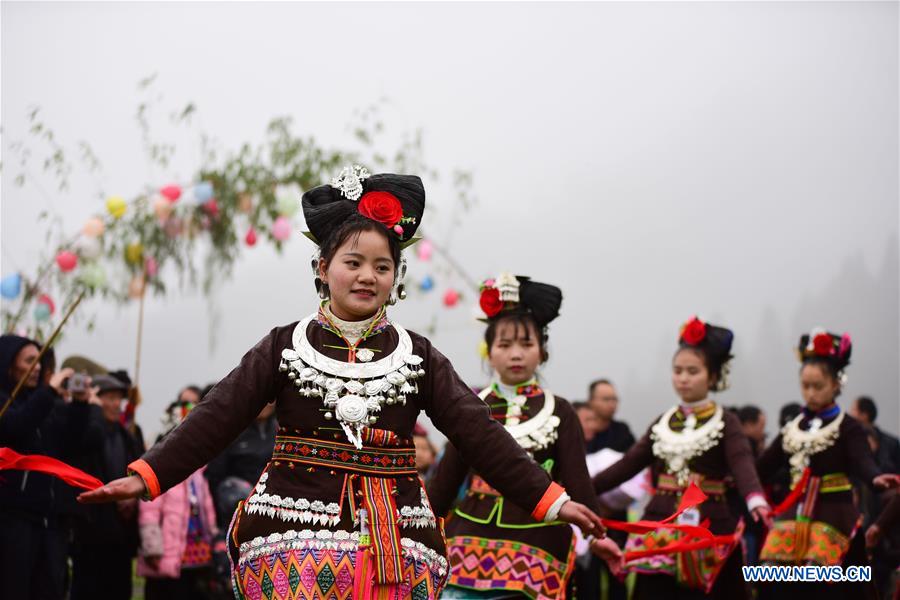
x,y
335,455
197,550
486,564
385,534
825,545
332,574
696,569
308,574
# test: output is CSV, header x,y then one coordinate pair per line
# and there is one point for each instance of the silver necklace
x,y
352,393
677,449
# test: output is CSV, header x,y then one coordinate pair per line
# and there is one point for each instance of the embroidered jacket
x,y
489,526
849,455
312,492
721,470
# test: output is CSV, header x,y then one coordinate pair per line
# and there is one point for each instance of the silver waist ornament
x,y
352,393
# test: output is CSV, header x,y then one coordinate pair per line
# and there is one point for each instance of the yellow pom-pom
x,y
483,349
134,253
115,206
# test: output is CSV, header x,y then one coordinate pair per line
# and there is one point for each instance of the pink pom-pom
x,y
425,249
845,345
171,192
398,230
45,299
281,229
151,267
66,261
451,298
211,207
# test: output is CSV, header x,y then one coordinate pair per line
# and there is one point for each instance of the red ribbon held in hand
x,y
792,498
697,536
10,459
691,497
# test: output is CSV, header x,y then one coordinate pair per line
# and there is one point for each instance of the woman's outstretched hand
x,y
609,551
886,481
763,514
125,488
582,517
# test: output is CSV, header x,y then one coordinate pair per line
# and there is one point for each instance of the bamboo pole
x,y
43,351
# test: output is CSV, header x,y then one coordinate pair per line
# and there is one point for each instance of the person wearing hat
x,y
695,440
824,447
106,538
488,532
339,510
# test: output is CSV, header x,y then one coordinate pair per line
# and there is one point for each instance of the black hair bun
x,y
395,201
824,346
507,294
713,340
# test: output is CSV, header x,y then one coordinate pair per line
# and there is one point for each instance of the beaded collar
x,y
352,331
678,448
802,444
528,389
537,432
512,400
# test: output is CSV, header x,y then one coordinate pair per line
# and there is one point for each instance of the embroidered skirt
x,y
695,569
488,564
332,566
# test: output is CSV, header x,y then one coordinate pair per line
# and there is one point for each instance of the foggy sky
x,y
735,160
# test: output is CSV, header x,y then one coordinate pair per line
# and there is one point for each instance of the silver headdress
x,y
349,181
508,285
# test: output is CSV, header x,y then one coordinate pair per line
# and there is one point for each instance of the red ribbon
x,y
698,536
795,494
691,497
10,459
684,546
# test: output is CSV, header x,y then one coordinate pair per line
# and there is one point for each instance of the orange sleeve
x,y
146,473
554,491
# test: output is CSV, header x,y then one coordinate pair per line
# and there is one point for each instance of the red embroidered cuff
x,y
142,469
554,491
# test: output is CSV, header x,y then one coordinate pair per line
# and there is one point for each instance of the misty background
x,y
655,160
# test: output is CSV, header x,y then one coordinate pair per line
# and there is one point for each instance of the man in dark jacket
x,y
235,471
44,419
616,435
887,454
106,540
603,400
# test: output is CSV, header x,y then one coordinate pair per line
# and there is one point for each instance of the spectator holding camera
x,y
106,540
46,419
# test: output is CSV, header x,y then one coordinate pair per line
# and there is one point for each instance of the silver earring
x,y
322,289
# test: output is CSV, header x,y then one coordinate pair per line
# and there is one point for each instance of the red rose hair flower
x,y
823,344
694,331
382,207
490,302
